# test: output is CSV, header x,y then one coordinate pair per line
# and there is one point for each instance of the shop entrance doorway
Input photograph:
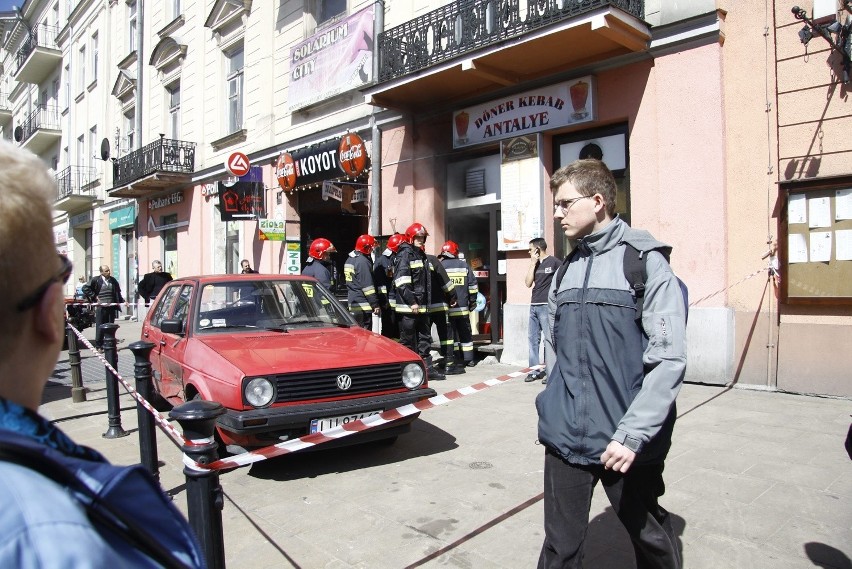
x,y
475,230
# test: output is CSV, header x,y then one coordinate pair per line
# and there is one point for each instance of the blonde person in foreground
x,y
49,482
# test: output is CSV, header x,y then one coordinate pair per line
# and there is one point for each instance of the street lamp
x,y
842,45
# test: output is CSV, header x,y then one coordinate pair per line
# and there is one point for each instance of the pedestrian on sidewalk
x,y
608,410
47,516
539,275
108,292
152,283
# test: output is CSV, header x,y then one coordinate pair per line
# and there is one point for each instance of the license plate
x,y
330,422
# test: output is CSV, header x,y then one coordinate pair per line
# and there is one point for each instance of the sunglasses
x,y
62,276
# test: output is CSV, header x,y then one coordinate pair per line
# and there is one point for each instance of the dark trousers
x,y
390,329
460,325
415,333
103,315
364,319
568,496
445,334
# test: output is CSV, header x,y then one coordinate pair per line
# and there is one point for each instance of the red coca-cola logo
x,y
285,170
352,155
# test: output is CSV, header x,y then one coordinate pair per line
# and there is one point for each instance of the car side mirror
x,y
174,326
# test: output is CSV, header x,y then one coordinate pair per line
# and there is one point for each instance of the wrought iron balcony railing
x,y
467,25
44,116
40,36
164,155
77,180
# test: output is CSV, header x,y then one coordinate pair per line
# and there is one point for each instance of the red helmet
x,y
365,244
415,230
450,249
394,241
319,247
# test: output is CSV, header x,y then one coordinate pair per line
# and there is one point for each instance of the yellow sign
x,y
271,230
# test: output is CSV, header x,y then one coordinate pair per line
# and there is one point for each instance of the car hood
x,y
302,350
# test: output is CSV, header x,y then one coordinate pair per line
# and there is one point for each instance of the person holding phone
x,y
540,273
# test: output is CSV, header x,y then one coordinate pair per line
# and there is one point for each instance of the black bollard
x,y
147,431
113,409
78,392
204,496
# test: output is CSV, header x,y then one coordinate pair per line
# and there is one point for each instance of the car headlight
x,y
412,376
259,392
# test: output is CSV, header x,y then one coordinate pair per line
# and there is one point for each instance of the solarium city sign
x,y
529,112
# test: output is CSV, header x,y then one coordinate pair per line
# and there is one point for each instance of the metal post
x,y
78,392
204,496
147,432
113,410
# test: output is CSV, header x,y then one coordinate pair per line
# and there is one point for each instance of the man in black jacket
x,y
152,283
107,291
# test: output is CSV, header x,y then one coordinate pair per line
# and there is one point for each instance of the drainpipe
x,y
140,71
376,132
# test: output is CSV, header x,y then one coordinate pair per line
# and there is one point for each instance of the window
x,y
81,149
82,72
95,57
129,129
131,29
328,9
66,158
170,245
235,90
174,111
175,9
93,153
54,92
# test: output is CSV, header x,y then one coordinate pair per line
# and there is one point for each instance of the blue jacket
x,y
610,378
44,524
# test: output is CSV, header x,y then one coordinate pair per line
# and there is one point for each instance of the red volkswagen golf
x,y
281,354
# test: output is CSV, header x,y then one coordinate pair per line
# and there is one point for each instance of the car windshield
x,y
279,305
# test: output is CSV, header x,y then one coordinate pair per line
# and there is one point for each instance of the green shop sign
x,y
123,217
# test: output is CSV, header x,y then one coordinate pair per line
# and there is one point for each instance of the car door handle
x,y
145,334
162,342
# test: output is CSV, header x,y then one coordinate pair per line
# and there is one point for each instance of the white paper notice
x,y
797,248
843,204
844,244
797,209
820,246
819,212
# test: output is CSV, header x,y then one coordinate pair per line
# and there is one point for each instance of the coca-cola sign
x,y
285,171
352,155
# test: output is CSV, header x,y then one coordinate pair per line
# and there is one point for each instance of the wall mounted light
x,y
839,41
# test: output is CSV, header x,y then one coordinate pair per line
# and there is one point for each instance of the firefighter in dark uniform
x,y
443,296
413,287
360,289
383,278
466,290
319,262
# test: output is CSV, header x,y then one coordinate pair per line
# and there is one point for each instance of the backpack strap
x,y
99,511
636,272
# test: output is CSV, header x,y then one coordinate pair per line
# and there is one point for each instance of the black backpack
x,y
636,274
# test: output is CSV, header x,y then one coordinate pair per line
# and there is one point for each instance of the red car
x,y
281,354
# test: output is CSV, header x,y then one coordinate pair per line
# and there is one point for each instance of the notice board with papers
x,y
815,244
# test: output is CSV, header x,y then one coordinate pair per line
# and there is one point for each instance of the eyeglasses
x,y
62,276
562,206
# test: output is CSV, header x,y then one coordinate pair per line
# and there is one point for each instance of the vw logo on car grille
x,y
344,382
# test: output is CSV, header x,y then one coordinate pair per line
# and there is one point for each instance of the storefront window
x,y
170,258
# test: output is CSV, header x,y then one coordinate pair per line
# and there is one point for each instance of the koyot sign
x,y
329,160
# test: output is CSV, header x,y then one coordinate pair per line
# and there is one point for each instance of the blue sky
x,y
7,4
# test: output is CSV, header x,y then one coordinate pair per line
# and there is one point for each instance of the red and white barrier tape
x,y
358,426
744,279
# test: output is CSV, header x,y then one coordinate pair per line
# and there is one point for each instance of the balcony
x,y
5,109
469,48
40,130
39,56
78,188
159,165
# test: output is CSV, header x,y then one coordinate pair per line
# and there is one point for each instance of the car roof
x,y
250,277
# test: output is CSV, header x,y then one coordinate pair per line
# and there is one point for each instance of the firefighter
x,y
319,262
360,289
413,287
383,277
443,296
466,290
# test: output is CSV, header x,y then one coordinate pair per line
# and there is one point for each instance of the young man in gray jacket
x,y
608,411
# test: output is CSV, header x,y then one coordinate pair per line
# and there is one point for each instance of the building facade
x,y
202,132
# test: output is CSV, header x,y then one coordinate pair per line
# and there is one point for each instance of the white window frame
x,y
67,85
93,152
176,9
234,85
82,71
129,130
131,26
173,95
94,56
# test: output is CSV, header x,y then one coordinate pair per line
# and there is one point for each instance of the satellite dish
x,y
105,149
19,134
